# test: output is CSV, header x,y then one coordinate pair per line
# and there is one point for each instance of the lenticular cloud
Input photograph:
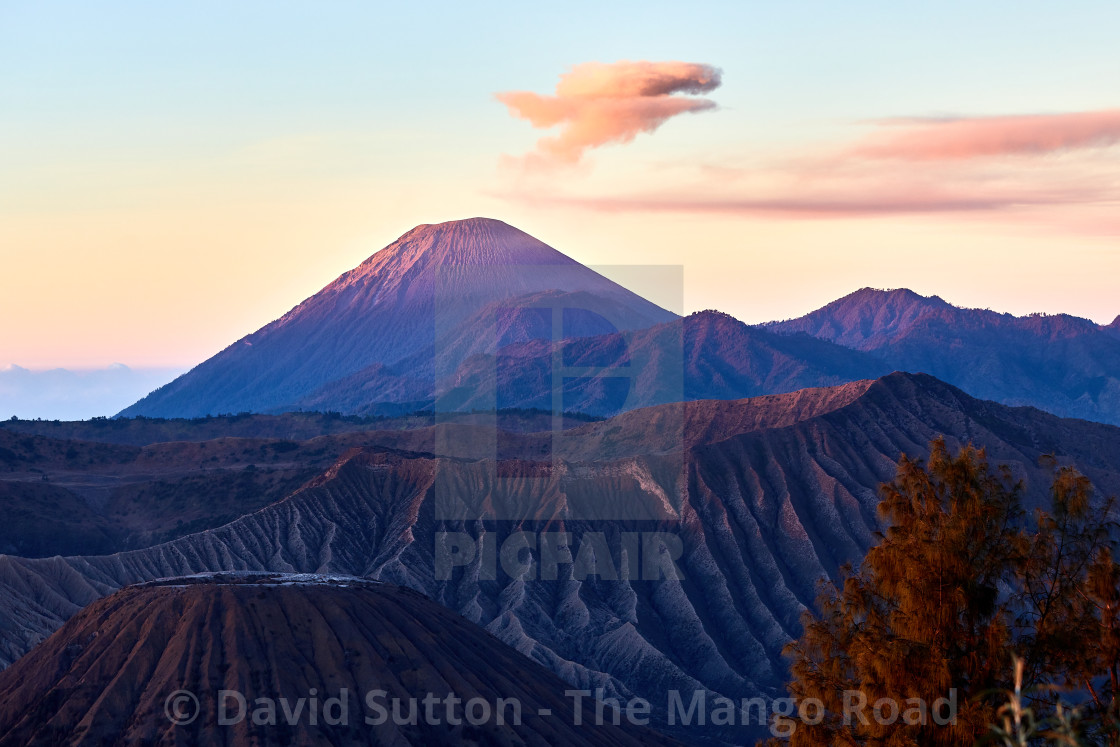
x,y
596,104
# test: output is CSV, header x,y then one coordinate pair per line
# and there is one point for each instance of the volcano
x,y
394,305
275,659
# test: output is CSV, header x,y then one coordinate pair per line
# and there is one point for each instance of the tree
x,y
1069,603
960,582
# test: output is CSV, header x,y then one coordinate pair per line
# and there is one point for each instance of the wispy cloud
x,y
980,137
826,202
1029,165
596,104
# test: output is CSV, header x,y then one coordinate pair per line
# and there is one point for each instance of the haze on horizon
x,y
173,178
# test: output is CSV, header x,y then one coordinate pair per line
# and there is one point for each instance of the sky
x,y
175,175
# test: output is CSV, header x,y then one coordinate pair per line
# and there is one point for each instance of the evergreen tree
x,y
960,582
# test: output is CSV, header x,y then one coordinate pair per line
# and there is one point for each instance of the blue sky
x,y
173,176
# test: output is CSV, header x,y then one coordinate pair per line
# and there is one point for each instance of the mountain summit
x,y
407,268
863,319
473,241
396,304
1061,363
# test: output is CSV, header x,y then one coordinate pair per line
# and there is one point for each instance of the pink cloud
x,y
952,139
1000,168
830,189
596,104
886,202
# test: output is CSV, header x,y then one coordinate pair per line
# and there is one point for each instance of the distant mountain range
x,y
1060,363
476,314
707,355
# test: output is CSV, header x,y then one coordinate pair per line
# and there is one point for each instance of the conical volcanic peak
x,y
394,305
474,241
477,260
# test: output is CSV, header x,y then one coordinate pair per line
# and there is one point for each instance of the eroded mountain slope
x,y
298,641
762,508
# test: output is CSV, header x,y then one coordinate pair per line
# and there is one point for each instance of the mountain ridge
x,y
475,314
1064,364
705,355
873,312
777,495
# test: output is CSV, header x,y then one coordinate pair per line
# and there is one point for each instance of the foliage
x,y
962,578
